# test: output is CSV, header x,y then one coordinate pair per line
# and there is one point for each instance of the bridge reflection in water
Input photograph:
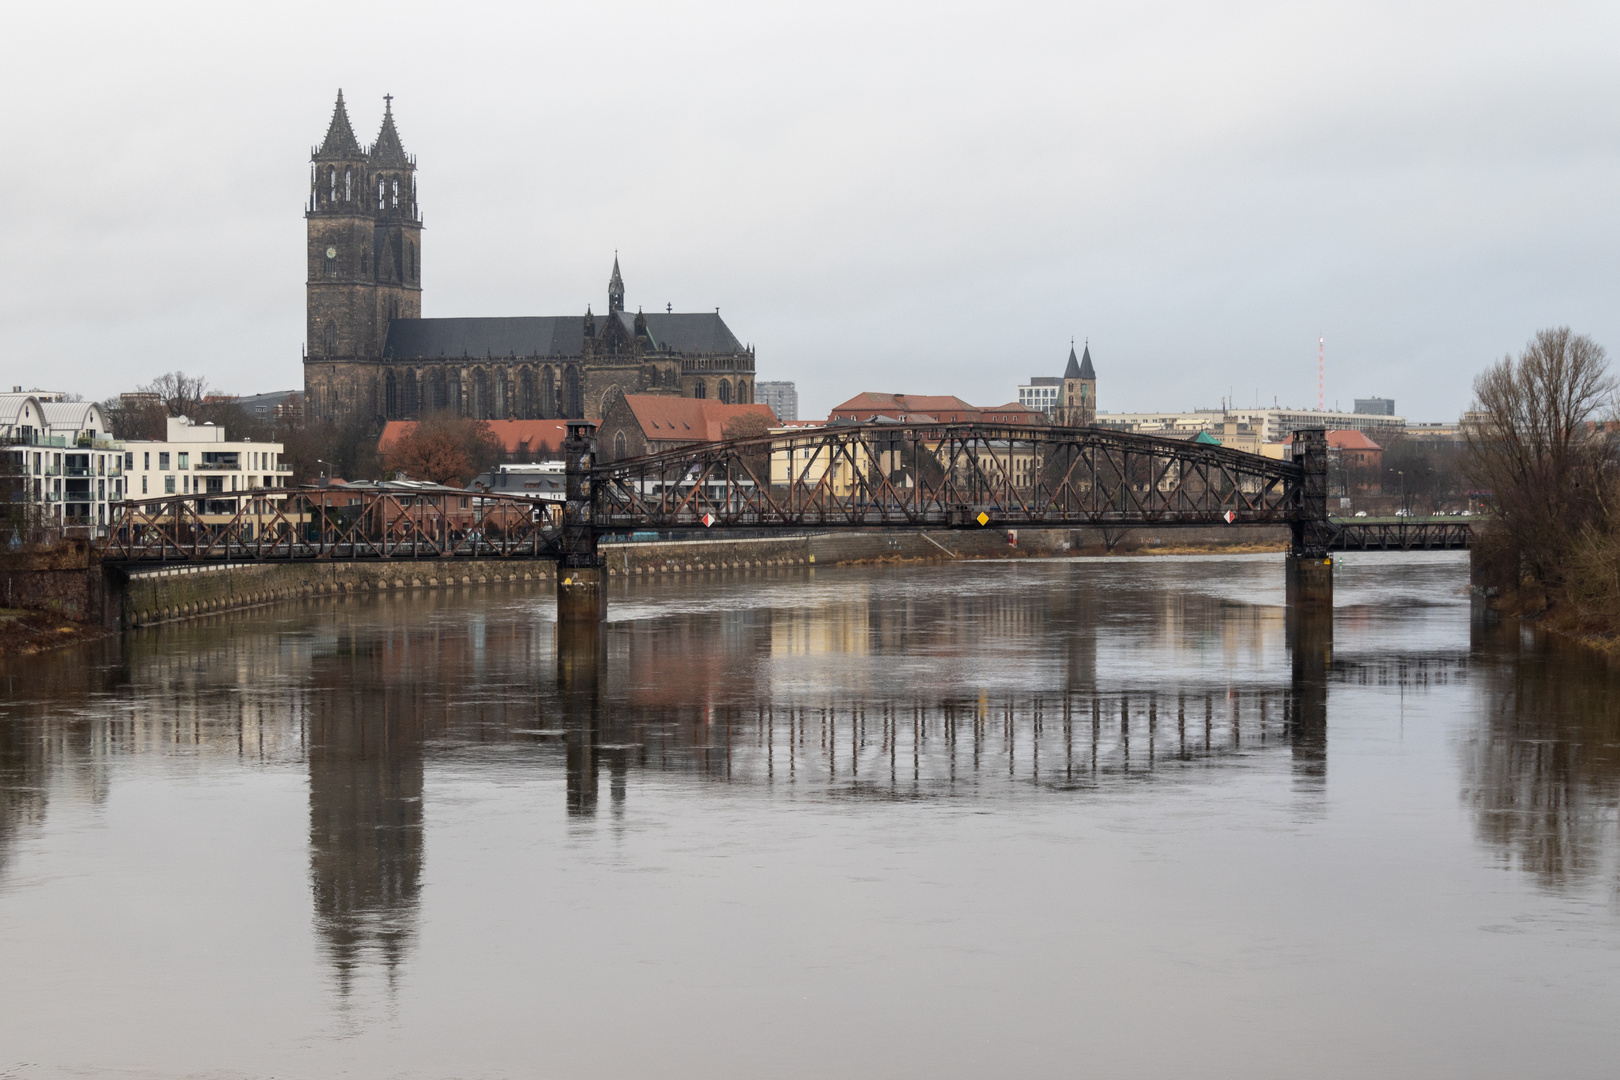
x,y
978,684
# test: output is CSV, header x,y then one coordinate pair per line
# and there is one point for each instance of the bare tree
x,y
181,394
1534,445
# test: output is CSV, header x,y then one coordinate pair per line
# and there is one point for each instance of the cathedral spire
x,y
388,150
615,288
340,141
1073,370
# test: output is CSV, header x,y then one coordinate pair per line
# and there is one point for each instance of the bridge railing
x,y
946,475
331,523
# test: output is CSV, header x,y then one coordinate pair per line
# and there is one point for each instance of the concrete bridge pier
x,y
581,597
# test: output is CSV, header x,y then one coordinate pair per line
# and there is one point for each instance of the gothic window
x,y
329,338
701,391
548,393
619,449
381,194
528,394
745,392
396,192
333,175
481,396
390,396
572,404
410,393
397,247
410,261
436,391
725,392
348,190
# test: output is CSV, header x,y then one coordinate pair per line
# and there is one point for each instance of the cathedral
x,y
370,356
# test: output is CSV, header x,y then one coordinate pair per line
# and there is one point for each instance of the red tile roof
x,y
927,408
1343,440
681,419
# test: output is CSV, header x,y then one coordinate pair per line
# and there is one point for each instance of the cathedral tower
x,y
364,260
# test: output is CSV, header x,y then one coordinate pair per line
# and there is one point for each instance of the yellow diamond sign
x,y
984,518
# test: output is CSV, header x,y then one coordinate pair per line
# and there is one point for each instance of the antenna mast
x,y
1321,400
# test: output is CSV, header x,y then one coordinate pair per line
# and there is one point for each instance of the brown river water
x,y
1086,817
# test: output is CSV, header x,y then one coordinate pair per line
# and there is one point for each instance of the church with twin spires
x,y
369,356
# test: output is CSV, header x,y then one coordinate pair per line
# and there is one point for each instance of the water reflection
x,y
1067,681
1541,769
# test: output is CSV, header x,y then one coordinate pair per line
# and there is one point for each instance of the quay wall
x,y
654,557
181,592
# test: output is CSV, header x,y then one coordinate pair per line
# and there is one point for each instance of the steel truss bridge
x,y
862,476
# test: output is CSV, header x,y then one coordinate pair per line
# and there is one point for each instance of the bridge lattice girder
x,y
946,475
278,524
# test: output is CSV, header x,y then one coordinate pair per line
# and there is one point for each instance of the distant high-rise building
x,y
782,397
1375,406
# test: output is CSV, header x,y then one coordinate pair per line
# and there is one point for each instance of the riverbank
x,y
24,632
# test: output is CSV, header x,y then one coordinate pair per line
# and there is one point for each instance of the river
x,y
1111,816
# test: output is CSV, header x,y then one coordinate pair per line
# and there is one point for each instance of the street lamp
x,y
1402,475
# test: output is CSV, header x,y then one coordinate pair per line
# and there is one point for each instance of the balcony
x,y
215,466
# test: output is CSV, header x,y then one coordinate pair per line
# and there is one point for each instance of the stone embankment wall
x,y
181,592
64,579
650,558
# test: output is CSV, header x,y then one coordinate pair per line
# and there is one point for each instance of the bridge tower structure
x,y
581,597
1309,567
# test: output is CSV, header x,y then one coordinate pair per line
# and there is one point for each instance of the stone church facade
x,y
370,356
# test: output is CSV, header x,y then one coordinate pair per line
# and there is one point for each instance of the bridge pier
x,y
1309,581
581,597
1308,569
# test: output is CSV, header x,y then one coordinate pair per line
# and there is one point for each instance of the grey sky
x,y
920,197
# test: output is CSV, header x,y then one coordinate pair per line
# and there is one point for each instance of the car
x,y
1361,513
1403,513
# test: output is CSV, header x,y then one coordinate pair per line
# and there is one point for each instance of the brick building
x,y
639,424
370,355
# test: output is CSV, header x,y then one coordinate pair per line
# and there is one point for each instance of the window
x,y
619,449
347,176
701,391
185,460
396,192
143,485
163,461
168,484
146,460
329,338
129,461
333,173
725,392
381,204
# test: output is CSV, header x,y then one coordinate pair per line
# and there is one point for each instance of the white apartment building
x,y
1041,392
1273,424
56,457
199,459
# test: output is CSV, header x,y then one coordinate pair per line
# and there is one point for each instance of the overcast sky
x,y
922,197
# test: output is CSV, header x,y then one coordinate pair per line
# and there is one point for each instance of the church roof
x,y
388,150
1080,368
340,141
550,335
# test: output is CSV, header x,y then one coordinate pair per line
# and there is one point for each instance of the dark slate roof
x,y
340,141
1086,370
549,335
388,150
1073,370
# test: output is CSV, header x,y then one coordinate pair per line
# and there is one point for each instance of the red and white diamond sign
x,y
707,519
1229,516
